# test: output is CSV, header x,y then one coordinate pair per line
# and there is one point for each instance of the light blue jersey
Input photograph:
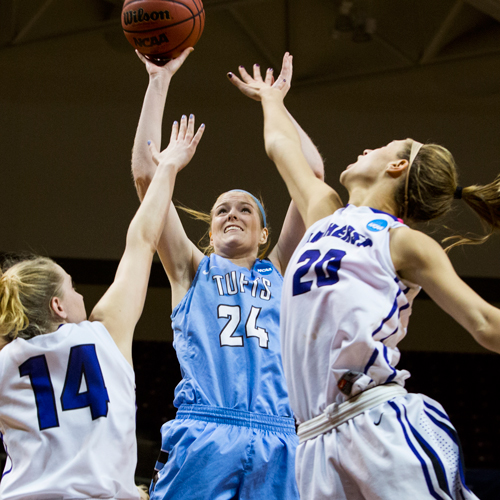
x,y
226,335
234,433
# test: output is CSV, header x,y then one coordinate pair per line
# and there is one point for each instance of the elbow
x,y
139,237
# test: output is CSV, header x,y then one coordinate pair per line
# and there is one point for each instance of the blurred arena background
x,y
365,72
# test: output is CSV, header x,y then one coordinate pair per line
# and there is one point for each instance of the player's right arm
x,y
421,260
179,256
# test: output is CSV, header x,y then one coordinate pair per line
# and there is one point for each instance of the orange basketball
x,y
162,29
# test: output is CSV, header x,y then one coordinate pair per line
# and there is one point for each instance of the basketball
x,y
162,29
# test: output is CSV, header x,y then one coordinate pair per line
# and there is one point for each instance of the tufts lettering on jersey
x,y
232,284
345,233
377,225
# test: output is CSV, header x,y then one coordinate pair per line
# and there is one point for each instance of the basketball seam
x,y
167,26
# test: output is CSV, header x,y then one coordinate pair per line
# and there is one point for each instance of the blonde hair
x,y
26,290
432,186
204,242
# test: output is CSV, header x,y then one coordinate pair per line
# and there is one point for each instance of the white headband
x,y
415,148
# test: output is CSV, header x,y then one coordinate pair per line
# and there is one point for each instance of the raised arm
x,y
421,260
121,306
179,256
285,142
293,226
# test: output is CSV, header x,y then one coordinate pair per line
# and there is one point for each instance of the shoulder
x,y
413,250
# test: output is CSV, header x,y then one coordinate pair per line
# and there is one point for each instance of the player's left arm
x,y
293,227
421,260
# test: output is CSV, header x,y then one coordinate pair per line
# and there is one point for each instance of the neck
x,y
376,198
240,260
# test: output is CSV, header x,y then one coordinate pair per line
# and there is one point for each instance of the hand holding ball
x,y
162,29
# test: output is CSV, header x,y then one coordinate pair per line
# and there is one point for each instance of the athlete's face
x,y
70,301
372,163
236,225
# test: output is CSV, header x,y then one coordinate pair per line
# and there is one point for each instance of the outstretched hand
x,y
182,146
253,86
170,68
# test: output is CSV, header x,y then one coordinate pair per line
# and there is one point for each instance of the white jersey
x,y
343,310
67,416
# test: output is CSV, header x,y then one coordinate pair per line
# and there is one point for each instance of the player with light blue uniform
x,y
347,297
234,432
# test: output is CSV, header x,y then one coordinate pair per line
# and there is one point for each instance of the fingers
x,y
269,76
183,132
244,75
154,152
199,133
235,80
176,63
141,57
256,73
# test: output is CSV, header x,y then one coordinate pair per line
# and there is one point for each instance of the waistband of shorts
x,y
240,418
337,414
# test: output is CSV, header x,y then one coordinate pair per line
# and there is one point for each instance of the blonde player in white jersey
x,y
346,301
67,386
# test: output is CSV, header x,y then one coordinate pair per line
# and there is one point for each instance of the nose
x,y
232,214
366,151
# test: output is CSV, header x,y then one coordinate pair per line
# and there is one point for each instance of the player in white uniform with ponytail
x,y
346,302
67,386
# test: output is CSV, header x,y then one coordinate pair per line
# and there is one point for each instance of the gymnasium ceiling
x,y
71,90
339,39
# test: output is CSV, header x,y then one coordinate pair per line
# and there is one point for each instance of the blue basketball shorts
x,y
211,453
403,449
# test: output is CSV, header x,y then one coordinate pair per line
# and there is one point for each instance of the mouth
x,y
231,228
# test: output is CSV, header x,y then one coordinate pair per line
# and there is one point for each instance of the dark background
x,y
71,90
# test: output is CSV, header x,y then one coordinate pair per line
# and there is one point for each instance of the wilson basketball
x,y
162,29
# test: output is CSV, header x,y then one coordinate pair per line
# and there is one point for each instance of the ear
x,y
397,168
264,234
211,240
57,307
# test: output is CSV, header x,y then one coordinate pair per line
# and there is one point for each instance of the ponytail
x,y
26,290
12,316
485,202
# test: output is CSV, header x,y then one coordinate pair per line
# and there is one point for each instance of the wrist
x,y
160,80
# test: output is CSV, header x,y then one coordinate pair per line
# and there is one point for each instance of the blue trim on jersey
x,y
375,211
390,315
390,334
8,456
406,290
394,372
372,359
425,469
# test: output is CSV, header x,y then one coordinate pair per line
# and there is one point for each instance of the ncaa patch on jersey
x,y
377,225
264,268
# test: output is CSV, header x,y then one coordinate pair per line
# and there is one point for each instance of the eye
x,y
246,209
221,211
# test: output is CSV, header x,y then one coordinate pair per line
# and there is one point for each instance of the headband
x,y
258,203
415,148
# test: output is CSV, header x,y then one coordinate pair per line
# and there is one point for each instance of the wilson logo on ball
x,y
139,16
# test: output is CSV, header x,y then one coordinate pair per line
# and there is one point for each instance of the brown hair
x,y
431,189
204,242
26,289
